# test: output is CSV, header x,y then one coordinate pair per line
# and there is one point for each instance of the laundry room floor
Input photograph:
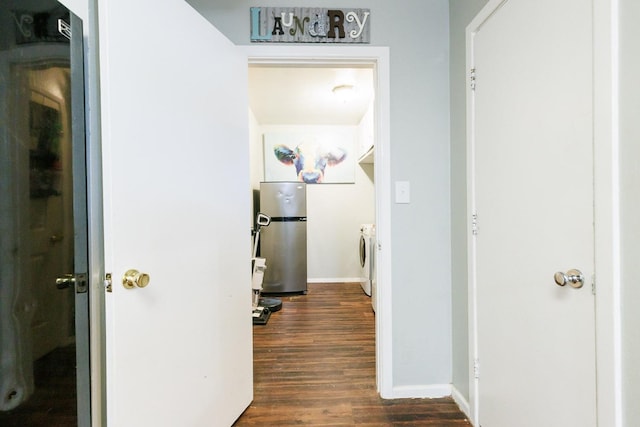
x,y
314,364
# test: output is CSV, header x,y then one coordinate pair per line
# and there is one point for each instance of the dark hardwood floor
x,y
314,364
53,404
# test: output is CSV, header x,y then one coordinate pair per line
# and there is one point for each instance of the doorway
x,y
319,112
376,59
44,376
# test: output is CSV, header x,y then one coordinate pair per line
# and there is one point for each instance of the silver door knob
x,y
133,278
573,277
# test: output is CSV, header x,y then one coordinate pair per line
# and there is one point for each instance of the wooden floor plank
x,y
314,364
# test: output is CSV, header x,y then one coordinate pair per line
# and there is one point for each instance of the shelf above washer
x,y
368,157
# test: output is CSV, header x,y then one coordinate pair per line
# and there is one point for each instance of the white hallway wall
x,y
417,34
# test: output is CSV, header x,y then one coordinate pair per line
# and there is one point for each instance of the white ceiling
x,y
288,95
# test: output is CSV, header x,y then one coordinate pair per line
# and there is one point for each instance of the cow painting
x,y
310,160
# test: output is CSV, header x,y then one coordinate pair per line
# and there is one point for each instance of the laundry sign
x,y
309,25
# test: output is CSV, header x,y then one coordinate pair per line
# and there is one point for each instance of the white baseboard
x,y
431,392
335,280
422,392
461,401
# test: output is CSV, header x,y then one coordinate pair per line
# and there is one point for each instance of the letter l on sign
x,y
255,25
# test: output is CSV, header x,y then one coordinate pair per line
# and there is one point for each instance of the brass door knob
x,y
135,279
65,281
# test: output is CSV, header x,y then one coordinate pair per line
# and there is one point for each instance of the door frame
x,y
80,218
378,57
95,211
606,211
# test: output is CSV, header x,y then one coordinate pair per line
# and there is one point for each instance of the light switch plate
x,y
403,192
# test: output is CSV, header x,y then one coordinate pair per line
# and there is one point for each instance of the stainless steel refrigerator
x,y
284,242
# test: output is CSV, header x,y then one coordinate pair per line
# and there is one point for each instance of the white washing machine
x,y
366,251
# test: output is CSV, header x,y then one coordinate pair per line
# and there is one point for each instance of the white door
x,y
532,194
176,207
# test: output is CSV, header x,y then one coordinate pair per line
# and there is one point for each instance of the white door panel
x,y
176,201
533,197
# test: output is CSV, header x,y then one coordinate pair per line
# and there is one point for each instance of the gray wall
x,y
461,12
630,206
417,33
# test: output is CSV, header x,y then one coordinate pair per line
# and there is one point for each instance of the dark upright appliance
x,y
284,243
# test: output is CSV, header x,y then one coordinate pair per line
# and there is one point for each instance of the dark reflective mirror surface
x,y
37,318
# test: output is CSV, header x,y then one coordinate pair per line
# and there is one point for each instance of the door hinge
x,y
472,78
108,283
474,224
476,368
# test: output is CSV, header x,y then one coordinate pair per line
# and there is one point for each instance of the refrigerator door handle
x,y
288,218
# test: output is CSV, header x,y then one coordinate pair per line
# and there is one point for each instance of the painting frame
x,y
329,154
